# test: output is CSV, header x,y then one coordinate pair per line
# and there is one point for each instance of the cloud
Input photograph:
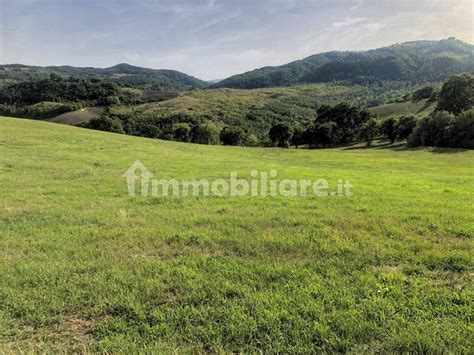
x,y
349,22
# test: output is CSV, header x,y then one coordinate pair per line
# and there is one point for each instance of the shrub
x,y
182,132
105,123
232,135
205,133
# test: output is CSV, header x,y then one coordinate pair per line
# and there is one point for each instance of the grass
x,y
84,267
421,108
79,116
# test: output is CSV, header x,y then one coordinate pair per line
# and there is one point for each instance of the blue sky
x,y
215,38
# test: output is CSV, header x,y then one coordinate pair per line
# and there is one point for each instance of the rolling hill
x,y
121,73
86,268
416,62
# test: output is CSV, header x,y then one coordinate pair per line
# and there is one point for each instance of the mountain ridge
x,y
123,73
416,61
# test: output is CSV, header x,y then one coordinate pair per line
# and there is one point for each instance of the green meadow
x,y
85,267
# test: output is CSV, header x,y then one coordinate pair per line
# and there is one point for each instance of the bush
x,y
205,133
232,135
105,123
182,132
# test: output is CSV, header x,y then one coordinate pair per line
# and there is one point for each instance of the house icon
x,y
137,171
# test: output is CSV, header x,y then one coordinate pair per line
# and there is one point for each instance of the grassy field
x,y
417,107
86,267
79,116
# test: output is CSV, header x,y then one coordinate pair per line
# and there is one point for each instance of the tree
x,y
325,133
232,135
150,131
368,131
434,130
457,94
405,126
298,137
389,129
280,134
205,133
181,132
348,121
462,131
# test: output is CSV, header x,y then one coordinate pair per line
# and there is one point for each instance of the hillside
x,y
379,270
122,73
420,108
256,110
415,62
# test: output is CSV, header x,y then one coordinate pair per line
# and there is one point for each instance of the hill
x,y
121,73
256,110
415,62
420,108
380,270
79,116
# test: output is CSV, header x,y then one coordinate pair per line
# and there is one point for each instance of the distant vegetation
x,y
392,84
120,74
414,62
55,95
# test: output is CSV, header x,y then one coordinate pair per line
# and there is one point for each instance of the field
x,y
78,117
416,107
86,267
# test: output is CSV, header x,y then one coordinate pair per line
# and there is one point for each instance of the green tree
x,y
405,126
369,131
457,94
298,137
462,131
434,130
182,132
389,129
280,134
205,133
232,135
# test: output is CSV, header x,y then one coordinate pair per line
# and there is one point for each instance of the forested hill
x,y
417,62
121,73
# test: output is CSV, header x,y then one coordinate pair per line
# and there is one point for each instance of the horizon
x,y
213,40
220,79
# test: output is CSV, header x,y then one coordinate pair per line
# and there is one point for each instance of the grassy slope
x,y
85,266
234,103
417,107
79,116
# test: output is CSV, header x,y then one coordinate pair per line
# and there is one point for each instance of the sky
x,y
213,39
